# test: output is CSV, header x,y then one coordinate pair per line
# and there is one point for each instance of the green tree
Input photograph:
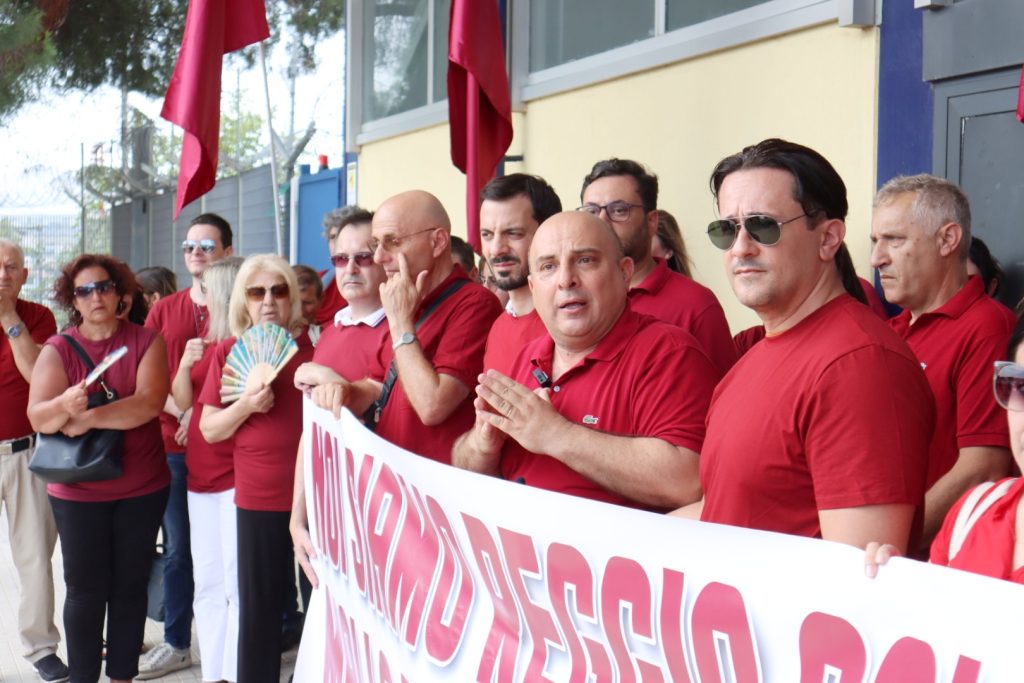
x,y
26,55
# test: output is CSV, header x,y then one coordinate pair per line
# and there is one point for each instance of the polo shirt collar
x,y
608,349
343,318
655,280
972,290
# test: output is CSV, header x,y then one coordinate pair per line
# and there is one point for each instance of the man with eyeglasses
x,y
26,326
334,221
921,236
511,209
438,321
625,195
180,317
822,428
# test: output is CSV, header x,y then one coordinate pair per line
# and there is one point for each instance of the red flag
x,y
479,107
1020,98
213,28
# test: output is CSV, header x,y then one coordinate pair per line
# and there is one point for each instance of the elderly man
x,y
625,194
511,210
610,404
921,232
333,300
822,428
438,321
29,520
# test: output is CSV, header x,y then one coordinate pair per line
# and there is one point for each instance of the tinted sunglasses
x,y
207,246
100,287
260,293
1008,385
363,259
763,229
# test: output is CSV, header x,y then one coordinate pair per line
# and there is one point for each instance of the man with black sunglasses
x,y
180,317
822,428
921,236
625,195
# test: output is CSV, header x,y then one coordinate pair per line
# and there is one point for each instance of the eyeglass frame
x,y
998,366
392,242
100,287
590,206
207,246
737,226
357,257
279,291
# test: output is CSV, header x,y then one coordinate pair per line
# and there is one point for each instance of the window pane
x,y
681,13
395,57
442,15
564,30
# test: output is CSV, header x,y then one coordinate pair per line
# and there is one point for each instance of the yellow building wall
x,y
817,86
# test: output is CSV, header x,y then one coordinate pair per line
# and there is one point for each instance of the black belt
x,y
16,446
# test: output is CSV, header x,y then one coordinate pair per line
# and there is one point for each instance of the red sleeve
x,y
857,454
41,324
460,352
979,419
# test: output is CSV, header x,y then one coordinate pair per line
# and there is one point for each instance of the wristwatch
x,y
407,338
14,331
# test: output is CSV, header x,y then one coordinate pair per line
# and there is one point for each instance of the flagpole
x,y
273,151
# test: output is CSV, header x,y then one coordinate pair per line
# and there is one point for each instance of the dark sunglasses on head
x,y
763,229
260,293
188,246
363,259
1008,385
100,287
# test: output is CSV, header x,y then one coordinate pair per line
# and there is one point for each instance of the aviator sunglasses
x,y
1008,385
280,291
100,287
763,229
363,259
207,246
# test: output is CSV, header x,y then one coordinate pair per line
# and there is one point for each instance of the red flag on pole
x,y
213,28
479,107
1020,98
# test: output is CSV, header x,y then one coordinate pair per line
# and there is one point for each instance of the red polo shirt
x,y
645,378
266,443
177,318
452,338
40,325
677,299
351,350
833,413
211,467
957,344
508,336
330,304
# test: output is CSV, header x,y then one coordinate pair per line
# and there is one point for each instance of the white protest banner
x,y
428,573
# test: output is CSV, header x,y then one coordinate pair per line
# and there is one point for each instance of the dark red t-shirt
x,y
40,325
177,318
832,413
674,298
351,350
145,467
508,336
452,338
645,378
266,443
330,304
956,345
211,467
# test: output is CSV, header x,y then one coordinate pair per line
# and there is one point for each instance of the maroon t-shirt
x,y
211,467
452,338
40,325
266,443
145,467
331,303
508,336
351,350
177,318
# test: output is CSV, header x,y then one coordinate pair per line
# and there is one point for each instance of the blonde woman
x,y
266,425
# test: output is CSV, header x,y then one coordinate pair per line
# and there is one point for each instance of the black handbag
x,y
93,456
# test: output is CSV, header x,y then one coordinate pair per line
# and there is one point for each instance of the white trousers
x,y
212,519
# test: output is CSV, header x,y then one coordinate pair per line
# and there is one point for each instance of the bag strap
x,y
372,415
973,508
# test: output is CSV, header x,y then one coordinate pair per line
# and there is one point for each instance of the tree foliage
x,y
26,55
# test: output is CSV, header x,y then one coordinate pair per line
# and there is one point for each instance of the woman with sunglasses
x,y
984,531
266,425
105,527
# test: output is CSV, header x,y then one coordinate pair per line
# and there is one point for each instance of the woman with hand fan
x,y
211,490
249,395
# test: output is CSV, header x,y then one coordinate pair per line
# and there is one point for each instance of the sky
x,y
42,143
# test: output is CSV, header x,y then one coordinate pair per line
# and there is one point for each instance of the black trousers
x,y
108,552
264,561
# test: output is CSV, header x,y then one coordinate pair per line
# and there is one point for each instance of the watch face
x,y
14,331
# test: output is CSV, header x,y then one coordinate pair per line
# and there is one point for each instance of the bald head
x,y
415,210
581,223
413,225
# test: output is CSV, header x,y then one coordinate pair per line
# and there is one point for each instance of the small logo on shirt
x,y
924,366
589,420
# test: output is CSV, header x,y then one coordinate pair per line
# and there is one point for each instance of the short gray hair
x,y
937,201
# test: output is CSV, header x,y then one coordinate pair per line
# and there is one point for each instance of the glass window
x,y
442,14
564,30
682,13
395,57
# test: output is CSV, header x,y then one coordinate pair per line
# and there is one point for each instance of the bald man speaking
x,y
610,404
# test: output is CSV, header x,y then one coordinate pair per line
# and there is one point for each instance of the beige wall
x,y
817,87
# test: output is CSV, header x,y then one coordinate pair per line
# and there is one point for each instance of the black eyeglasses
x,y
207,246
280,291
100,287
363,259
763,229
1008,385
617,211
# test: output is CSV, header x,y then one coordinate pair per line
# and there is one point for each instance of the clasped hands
x,y
505,408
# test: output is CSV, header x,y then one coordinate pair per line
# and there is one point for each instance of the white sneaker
x,y
162,660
